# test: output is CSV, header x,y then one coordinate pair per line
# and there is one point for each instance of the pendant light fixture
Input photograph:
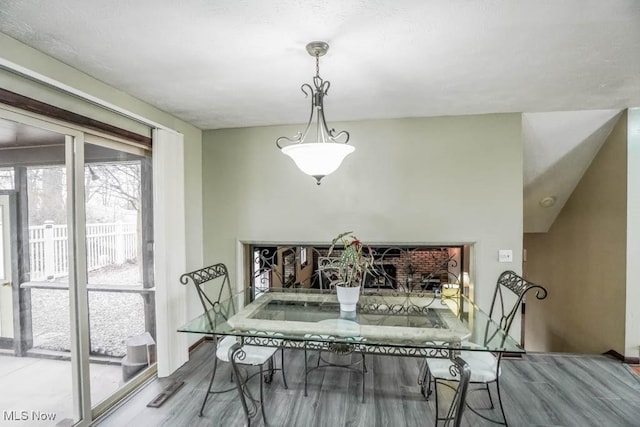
x,y
323,156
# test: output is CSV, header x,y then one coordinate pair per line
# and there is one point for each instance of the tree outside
x,y
112,198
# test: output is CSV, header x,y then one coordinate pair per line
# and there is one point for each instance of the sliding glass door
x,y
6,295
41,331
119,264
77,311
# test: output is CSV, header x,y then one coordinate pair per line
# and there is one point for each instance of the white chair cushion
x,y
255,355
483,366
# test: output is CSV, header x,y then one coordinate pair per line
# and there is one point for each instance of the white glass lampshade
x,y
318,159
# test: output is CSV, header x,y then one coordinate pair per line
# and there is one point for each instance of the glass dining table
x,y
415,324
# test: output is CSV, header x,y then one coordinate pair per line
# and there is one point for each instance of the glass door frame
x,y
146,187
78,301
7,255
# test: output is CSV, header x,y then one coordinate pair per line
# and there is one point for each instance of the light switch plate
x,y
505,255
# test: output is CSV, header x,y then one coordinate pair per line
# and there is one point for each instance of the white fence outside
x,y
107,244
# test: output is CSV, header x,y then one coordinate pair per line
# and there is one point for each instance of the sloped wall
x,y
582,261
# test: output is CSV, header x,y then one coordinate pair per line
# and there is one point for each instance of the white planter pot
x,y
348,297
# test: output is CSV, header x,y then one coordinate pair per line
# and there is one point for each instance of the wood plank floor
x,y
537,390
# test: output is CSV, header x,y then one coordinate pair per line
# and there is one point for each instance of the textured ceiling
x,y
219,64
223,64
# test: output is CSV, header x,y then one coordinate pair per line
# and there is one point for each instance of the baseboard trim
x,y
620,357
197,343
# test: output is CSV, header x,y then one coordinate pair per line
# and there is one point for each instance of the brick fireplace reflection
x,y
399,267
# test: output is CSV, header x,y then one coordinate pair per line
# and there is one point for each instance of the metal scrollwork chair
x,y
484,365
228,348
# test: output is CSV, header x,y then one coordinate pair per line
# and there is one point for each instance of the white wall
x,y
632,321
431,180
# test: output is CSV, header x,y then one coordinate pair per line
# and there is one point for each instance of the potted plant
x,y
352,264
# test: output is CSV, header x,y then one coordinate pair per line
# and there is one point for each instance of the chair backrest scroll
x,y
211,305
506,310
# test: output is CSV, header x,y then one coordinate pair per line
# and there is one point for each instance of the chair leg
x,y
264,416
213,375
233,351
425,381
364,371
422,373
504,417
306,372
456,409
477,411
460,397
435,389
284,378
489,393
269,376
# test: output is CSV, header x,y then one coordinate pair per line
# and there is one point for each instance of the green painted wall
x,y
430,180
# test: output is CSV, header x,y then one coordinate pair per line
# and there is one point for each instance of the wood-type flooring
x,y
537,390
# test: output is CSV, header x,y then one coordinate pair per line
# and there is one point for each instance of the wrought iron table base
x,y
328,364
